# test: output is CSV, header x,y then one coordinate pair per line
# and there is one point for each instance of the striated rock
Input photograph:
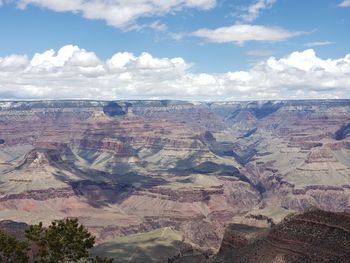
x,y
126,167
315,236
41,195
189,195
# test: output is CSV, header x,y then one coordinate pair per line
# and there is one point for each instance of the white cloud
x,y
158,26
345,3
50,59
119,13
319,43
120,60
74,73
178,36
13,63
204,80
242,33
253,11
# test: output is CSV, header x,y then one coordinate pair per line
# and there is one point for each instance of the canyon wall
x,y
126,167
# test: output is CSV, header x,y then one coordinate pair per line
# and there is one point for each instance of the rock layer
x,y
315,236
133,166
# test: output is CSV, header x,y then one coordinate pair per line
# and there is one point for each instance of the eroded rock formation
x,y
128,167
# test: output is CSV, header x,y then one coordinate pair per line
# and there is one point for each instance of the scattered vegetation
x,y
64,241
12,250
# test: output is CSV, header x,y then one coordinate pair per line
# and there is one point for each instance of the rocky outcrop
x,y
315,236
41,195
189,195
13,228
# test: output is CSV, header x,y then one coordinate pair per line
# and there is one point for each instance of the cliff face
x,y
315,236
133,166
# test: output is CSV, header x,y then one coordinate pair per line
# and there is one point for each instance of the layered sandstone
x,y
126,167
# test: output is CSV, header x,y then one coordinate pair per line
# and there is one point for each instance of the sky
x,y
198,50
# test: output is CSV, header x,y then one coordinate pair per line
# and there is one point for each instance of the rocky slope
x,y
160,245
315,236
127,167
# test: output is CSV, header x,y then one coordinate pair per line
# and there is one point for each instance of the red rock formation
x,y
146,164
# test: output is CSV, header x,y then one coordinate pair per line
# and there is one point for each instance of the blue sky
x,y
214,40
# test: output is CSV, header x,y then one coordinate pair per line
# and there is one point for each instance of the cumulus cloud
x,y
13,62
75,73
253,11
119,13
240,34
345,3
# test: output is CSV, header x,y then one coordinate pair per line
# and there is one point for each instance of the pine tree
x,y
12,250
64,241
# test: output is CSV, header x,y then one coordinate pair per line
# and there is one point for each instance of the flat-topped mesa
x,y
320,155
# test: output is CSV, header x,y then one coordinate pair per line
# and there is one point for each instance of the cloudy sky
x,y
174,49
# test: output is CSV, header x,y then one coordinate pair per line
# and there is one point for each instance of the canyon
x,y
130,167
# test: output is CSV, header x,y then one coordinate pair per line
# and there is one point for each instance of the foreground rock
x,y
315,236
